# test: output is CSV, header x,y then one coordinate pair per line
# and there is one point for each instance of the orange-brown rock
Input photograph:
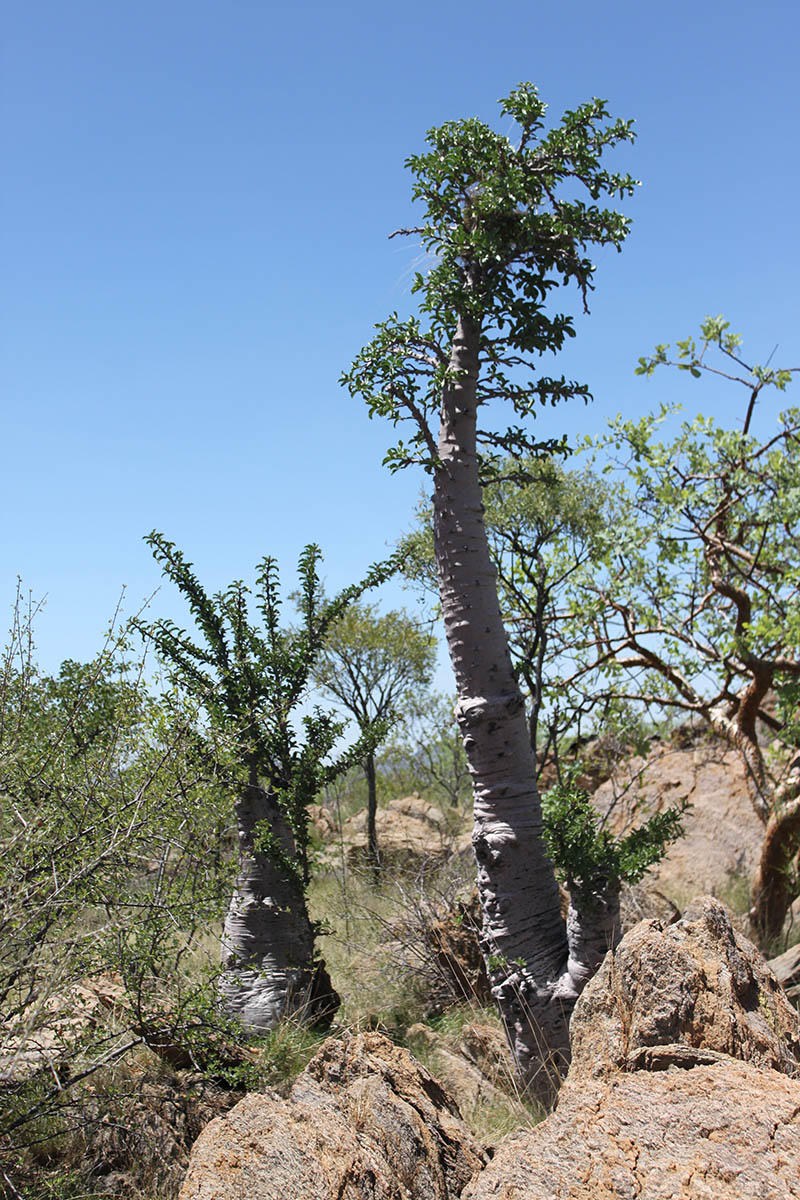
x,y
410,830
723,836
363,1122
727,1131
684,1081
684,994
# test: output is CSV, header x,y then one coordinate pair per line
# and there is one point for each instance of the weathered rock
x,y
410,830
322,822
363,1122
722,843
727,1131
684,994
681,1086
476,1068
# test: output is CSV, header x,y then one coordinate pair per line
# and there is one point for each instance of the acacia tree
x,y
249,682
505,224
693,607
373,664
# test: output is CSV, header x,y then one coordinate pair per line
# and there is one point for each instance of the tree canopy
x,y
693,605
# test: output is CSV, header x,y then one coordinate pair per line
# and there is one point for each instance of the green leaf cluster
x,y
586,855
502,226
111,831
251,679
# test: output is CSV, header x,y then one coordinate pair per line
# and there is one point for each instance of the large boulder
x,y
722,843
685,1080
363,1122
727,1131
681,995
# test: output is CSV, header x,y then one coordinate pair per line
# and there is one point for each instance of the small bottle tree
x,y
250,682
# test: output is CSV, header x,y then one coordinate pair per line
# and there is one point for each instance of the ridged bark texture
x,y
523,936
268,963
593,928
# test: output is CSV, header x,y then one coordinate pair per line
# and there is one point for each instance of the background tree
x,y
374,665
425,750
694,606
504,224
250,683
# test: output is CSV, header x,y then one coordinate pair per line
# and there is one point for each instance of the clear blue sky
x,y
195,205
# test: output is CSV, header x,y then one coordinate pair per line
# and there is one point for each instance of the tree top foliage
x,y
372,662
250,678
505,224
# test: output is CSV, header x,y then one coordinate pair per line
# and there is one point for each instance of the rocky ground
x,y
685,1082
685,1079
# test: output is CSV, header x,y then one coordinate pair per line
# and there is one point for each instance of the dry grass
x,y
127,1130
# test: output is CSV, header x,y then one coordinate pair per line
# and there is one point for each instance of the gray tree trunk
x,y
269,970
593,928
372,812
535,974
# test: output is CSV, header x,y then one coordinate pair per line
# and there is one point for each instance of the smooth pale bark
x,y
269,970
534,979
593,928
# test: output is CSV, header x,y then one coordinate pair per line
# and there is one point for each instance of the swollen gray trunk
x,y
535,975
269,970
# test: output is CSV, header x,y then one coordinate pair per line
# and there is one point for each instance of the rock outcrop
x,y
682,995
685,1080
724,1132
363,1122
411,831
721,846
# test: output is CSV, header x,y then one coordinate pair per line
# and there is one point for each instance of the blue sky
x,y
193,246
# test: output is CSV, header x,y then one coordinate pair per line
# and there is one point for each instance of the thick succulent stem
x,y
593,928
523,935
269,969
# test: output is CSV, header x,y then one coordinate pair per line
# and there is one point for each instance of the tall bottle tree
x,y
504,223
249,682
